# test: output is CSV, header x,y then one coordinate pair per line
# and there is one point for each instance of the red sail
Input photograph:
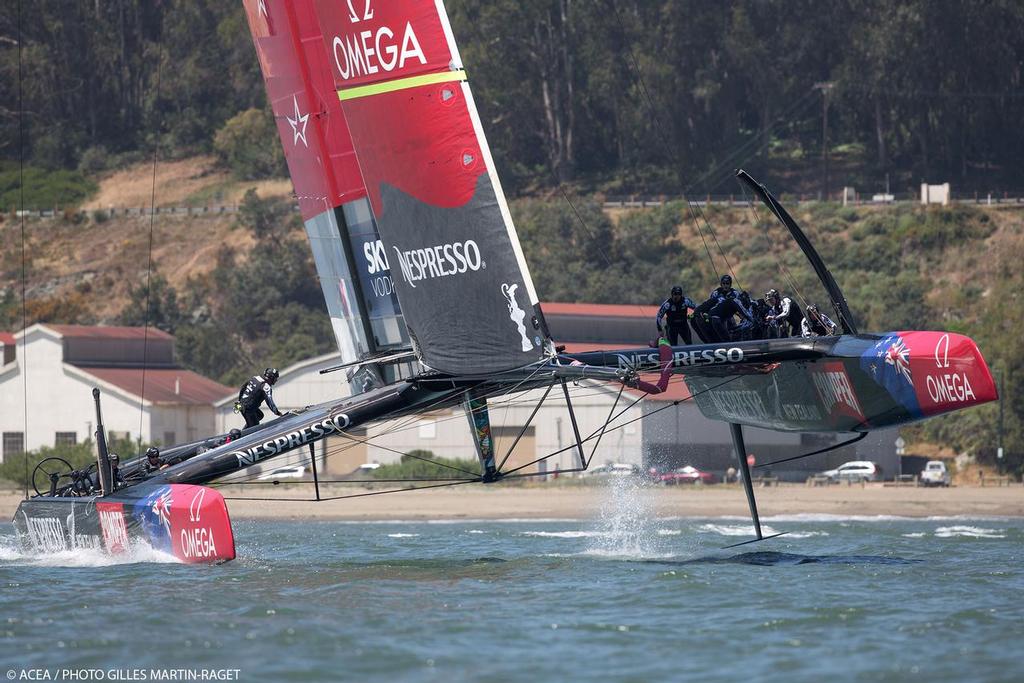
x,y
465,290
309,119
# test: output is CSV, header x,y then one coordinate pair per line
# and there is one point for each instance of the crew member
x,y
153,460
784,315
252,395
715,307
817,324
672,315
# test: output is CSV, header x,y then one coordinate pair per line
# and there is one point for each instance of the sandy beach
x,y
582,502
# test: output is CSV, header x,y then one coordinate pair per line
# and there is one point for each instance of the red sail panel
x,y
310,123
465,290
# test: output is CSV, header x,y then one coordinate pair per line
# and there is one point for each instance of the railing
x,y
642,202
611,202
112,211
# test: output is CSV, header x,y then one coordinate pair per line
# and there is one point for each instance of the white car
x,y
855,470
295,472
614,469
935,474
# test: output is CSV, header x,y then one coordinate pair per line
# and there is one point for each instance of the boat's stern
x,y
930,373
186,521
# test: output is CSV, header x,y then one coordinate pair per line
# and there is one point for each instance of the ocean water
x,y
622,597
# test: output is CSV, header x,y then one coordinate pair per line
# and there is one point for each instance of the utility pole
x,y
999,430
825,87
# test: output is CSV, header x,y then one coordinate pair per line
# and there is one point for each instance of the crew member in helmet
x,y
252,395
672,315
817,324
711,317
784,315
153,461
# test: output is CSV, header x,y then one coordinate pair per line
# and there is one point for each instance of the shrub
x,y
247,144
44,189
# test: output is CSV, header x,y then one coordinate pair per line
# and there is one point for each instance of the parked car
x,y
855,470
687,474
934,474
614,469
294,472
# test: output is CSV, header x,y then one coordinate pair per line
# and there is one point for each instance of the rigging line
x,y
597,443
362,482
787,276
149,264
355,495
659,129
833,447
803,102
24,273
408,421
590,233
297,456
643,416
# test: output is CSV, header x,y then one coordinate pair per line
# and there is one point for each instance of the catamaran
x,y
432,303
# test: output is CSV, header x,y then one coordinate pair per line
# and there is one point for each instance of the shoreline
x,y
545,501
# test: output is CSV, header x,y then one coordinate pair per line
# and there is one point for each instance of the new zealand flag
x,y
154,514
888,363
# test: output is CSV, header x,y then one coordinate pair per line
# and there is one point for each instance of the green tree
x,y
247,144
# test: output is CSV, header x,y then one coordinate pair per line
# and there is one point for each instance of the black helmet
x,y
812,308
677,290
772,294
235,434
152,452
726,281
271,375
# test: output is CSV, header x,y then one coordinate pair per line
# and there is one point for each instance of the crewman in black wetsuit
x,y
784,315
711,317
153,461
252,395
672,315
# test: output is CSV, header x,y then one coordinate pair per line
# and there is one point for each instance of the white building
x,y
51,375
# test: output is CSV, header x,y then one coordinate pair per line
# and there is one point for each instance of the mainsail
x,y
468,299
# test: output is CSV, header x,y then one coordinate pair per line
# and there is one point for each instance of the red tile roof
x,y
108,332
7,339
600,310
193,389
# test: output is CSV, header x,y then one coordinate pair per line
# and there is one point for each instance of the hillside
x,y
91,263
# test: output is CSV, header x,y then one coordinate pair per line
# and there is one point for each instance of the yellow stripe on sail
x,y
401,84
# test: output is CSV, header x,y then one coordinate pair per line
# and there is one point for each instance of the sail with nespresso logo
x,y
445,228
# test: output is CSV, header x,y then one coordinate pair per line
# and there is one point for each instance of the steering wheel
x,y
49,472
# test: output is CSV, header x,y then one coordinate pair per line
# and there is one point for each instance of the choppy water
x,y
622,597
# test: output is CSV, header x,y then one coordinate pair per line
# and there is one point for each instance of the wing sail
x,y
460,274
354,275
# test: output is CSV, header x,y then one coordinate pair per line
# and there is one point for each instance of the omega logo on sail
x,y
372,51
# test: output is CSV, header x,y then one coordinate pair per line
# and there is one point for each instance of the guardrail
x,y
640,202
610,202
112,211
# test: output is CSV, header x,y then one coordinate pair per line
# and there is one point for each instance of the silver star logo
x,y
298,134
263,8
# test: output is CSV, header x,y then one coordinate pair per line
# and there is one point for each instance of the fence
x,y
611,202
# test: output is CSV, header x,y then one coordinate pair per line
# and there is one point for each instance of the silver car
x,y
855,470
